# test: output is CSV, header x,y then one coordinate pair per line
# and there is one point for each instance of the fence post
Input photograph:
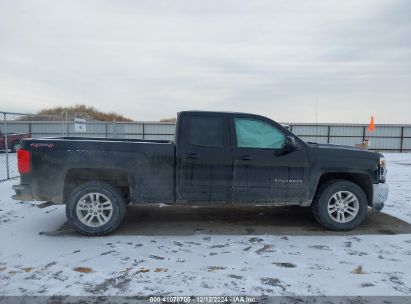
x,y
114,129
363,134
402,139
68,126
6,146
144,130
63,127
106,129
328,134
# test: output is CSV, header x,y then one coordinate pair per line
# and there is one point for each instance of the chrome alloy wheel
x,y
343,206
94,209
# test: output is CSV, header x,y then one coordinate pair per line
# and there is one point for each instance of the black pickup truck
x,y
217,158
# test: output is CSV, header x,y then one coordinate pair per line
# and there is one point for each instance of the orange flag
x,y
371,126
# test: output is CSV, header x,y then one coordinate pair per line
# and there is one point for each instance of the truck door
x,y
261,173
204,162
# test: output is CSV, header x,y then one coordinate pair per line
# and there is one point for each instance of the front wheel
x,y
340,205
95,208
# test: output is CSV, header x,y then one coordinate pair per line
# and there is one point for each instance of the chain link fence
x,y
13,128
9,143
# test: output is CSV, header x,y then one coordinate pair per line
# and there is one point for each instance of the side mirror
x,y
290,144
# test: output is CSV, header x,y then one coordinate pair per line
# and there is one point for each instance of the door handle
x,y
246,157
193,155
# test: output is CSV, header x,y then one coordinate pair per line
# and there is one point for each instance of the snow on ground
x,y
399,180
202,264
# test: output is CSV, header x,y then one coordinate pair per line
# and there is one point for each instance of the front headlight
x,y
382,169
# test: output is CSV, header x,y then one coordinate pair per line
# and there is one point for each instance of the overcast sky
x,y
149,59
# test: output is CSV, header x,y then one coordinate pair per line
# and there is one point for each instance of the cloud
x,y
151,59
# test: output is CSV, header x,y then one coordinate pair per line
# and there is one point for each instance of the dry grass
x,y
173,119
27,269
143,270
215,268
83,269
358,270
77,111
161,270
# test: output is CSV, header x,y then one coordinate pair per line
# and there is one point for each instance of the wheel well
x,y
362,180
117,178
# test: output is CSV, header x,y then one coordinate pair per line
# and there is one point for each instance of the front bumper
x,y
23,193
379,196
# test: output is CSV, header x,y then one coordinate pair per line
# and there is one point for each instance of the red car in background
x,y
13,141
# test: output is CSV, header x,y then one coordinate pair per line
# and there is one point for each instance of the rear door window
x,y
207,131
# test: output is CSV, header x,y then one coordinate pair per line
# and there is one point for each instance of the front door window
x,y
253,133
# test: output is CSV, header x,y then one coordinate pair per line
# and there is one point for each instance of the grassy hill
x,y
77,111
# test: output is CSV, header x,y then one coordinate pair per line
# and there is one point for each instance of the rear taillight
x,y
23,161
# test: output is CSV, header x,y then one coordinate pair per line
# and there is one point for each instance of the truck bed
x,y
148,165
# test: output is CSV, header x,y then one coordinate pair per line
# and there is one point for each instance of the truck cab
x,y
239,158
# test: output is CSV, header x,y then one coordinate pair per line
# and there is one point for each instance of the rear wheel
x,y
340,205
95,208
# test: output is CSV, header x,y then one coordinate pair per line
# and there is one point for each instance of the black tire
x,y
321,200
107,190
15,146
